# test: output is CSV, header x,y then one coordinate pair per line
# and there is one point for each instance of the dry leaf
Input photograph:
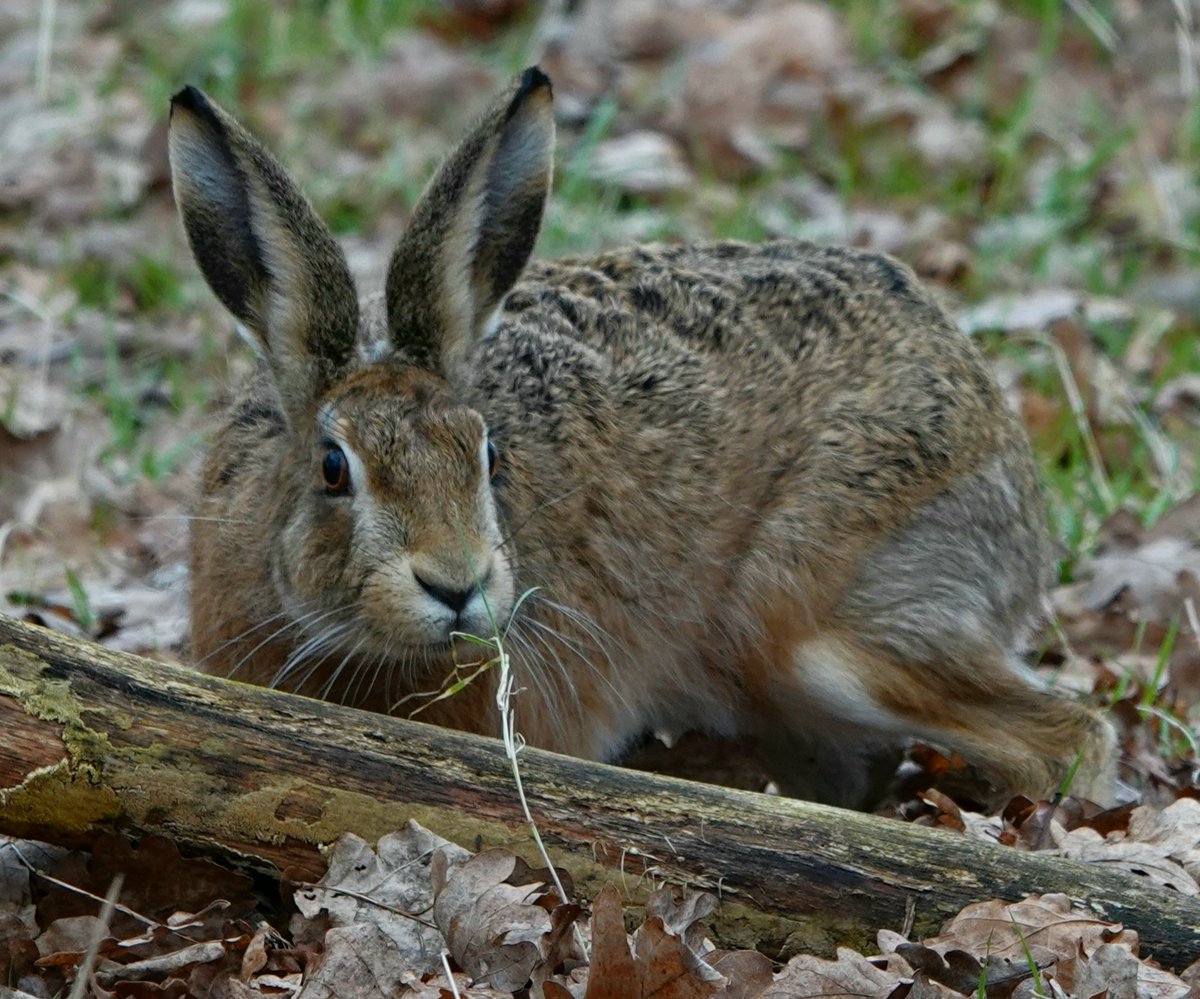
x,y
158,882
1035,310
439,987
495,931
179,960
613,974
643,162
684,917
66,940
1142,859
377,903
1175,830
31,404
255,957
1049,925
793,40
850,975
7,993
747,972
668,968
360,959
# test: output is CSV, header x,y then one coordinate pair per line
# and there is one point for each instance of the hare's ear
x,y
262,249
473,229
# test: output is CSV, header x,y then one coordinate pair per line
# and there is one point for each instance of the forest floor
x,y
1034,161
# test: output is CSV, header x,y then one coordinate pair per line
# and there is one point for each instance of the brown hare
x,y
767,491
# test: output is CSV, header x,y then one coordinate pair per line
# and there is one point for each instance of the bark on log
x,y
92,740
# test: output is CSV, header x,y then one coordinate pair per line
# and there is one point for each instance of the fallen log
x,y
93,740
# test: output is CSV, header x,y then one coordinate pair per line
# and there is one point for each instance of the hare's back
x,y
832,364
827,332
807,304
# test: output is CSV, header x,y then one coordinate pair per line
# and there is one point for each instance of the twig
x,y
1105,34
1184,43
1189,609
513,743
144,920
83,972
545,28
505,689
1079,411
367,900
449,973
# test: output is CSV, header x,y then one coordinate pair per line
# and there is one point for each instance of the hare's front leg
x,y
826,761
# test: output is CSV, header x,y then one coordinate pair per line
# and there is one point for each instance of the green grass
x,y
151,283
1039,987
257,45
81,605
133,396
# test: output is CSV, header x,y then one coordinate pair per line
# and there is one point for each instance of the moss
x,y
49,700
61,797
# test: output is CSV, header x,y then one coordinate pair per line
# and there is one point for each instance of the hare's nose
x,y
454,598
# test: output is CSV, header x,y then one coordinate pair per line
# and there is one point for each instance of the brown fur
x,y
759,490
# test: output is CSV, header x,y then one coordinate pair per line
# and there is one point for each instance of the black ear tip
x,y
530,82
532,79
191,99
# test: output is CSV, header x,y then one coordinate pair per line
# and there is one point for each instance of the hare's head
x,y
387,524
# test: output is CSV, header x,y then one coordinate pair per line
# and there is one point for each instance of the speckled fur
x,y
760,490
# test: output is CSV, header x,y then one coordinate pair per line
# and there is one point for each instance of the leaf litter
x,y
416,916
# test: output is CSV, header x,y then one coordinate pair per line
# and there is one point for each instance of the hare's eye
x,y
335,470
493,457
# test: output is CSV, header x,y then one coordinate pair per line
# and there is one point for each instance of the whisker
x,y
586,661
389,673
374,667
324,642
315,662
354,683
299,622
316,639
237,638
189,518
582,620
528,667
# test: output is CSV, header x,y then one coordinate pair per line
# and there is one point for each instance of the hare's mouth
x,y
420,647
465,648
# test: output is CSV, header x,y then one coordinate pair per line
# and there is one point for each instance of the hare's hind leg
x,y
853,704
932,625
1022,737
1067,738
921,645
